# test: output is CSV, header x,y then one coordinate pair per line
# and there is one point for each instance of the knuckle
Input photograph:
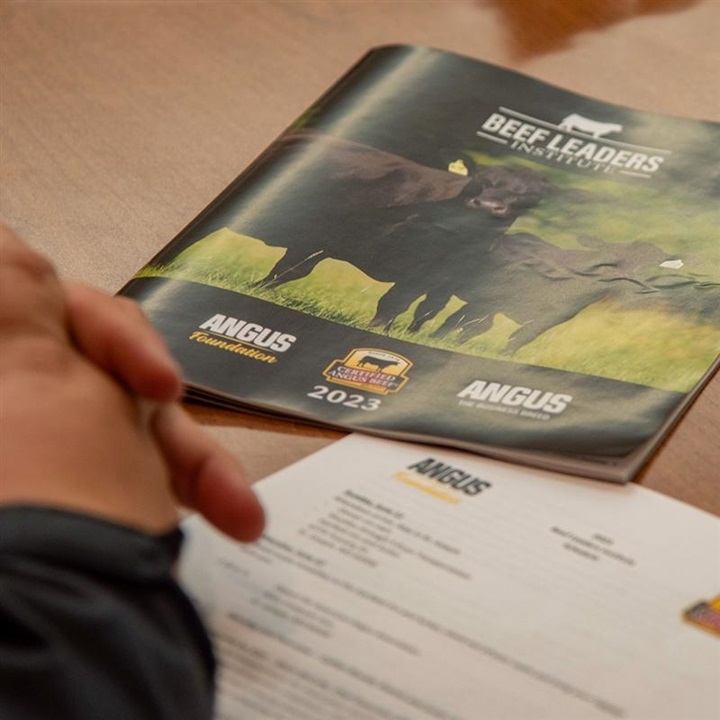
x,y
31,300
36,355
25,271
18,257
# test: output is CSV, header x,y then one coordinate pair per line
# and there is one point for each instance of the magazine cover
x,y
446,251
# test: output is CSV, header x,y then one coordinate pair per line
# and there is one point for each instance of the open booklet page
x,y
441,250
400,581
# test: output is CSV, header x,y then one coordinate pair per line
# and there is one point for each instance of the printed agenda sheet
x,y
401,581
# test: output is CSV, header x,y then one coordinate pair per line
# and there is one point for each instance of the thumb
x,y
206,477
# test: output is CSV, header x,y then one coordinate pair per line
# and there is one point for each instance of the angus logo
x,y
370,369
515,399
450,476
249,332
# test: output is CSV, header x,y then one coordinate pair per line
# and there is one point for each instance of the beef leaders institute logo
x,y
370,369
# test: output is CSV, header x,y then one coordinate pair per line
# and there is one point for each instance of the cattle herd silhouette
x,y
435,234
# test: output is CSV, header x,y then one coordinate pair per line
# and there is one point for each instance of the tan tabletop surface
x,y
122,119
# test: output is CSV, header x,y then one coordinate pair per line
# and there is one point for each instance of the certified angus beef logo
x,y
370,369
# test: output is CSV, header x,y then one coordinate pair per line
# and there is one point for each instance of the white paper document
x,y
406,582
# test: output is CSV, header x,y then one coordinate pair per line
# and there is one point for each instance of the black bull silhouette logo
x,y
434,234
376,362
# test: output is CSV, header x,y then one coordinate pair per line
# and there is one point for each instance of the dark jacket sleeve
x,y
93,625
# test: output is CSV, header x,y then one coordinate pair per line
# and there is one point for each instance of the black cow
x,y
430,251
379,363
396,220
541,286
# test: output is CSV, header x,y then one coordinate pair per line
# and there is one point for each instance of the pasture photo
x,y
600,277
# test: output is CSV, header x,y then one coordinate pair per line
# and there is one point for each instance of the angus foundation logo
x,y
243,337
705,615
370,369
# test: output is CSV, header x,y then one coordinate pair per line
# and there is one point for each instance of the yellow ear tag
x,y
458,167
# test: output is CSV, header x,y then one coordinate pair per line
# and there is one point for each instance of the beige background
x,y
122,120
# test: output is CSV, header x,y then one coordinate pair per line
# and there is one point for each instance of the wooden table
x,y
121,120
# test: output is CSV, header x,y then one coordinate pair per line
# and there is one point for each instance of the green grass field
x,y
647,346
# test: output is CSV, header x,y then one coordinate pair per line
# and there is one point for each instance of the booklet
x,y
398,581
444,251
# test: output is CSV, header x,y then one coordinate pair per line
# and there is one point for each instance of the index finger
x,y
114,334
206,477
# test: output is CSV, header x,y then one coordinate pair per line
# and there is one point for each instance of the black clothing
x,y
93,625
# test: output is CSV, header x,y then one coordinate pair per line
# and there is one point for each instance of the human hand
x,y
89,415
